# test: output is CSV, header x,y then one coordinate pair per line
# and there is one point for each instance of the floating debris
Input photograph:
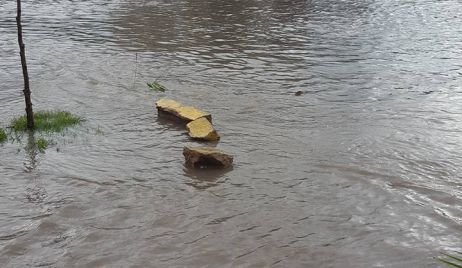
x,y
156,86
186,113
202,129
202,157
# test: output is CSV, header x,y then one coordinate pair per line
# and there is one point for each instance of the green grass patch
x,y
49,121
42,144
3,136
156,86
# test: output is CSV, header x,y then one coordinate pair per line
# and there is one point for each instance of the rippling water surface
x,y
362,170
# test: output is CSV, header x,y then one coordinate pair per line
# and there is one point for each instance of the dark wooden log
x,y
22,52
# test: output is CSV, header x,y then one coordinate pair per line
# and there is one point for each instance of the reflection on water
x,y
31,151
362,170
205,177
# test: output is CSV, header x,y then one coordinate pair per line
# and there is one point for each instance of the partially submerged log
x,y
186,113
202,129
199,157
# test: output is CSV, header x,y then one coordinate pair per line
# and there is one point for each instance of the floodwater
x,y
362,170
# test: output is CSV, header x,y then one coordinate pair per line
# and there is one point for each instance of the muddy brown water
x,y
361,170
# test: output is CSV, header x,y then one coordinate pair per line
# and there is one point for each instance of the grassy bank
x,y
48,121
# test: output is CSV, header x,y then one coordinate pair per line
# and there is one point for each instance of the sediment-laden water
x,y
362,170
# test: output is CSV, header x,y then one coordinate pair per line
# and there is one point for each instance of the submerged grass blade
x,y
459,259
42,144
451,260
450,263
50,121
3,136
156,86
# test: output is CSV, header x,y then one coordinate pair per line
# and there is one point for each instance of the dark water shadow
x,y
171,121
203,178
35,192
205,143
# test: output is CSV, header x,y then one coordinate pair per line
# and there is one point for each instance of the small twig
x,y
136,69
